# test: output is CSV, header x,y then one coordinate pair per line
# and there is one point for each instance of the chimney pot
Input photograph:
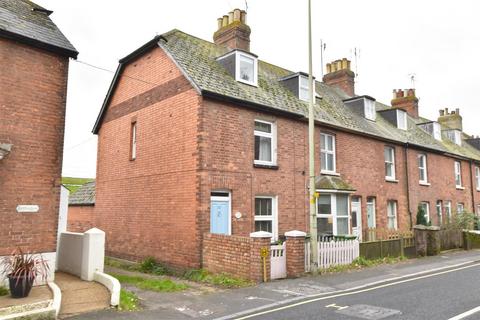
x,y
243,16
225,21
237,15
220,23
457,111
230,17
442,113
339,75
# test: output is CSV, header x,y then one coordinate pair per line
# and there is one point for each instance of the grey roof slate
x,y
197,58
19,19
84,196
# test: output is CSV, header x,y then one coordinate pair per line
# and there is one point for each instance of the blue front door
x,y
219,217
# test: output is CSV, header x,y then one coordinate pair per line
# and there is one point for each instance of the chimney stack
x,y
406,100
340,76
233,31
452,120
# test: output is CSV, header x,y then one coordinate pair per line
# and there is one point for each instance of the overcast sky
x,y
438,41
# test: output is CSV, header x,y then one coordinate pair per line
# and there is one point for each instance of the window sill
x,y
330,173
391,180
460,188
265,166
426,184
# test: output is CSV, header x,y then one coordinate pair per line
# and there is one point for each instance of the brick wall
x,y
147,206
33,87
80,218
235,255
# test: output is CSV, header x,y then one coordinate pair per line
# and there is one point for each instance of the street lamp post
x,y
311,155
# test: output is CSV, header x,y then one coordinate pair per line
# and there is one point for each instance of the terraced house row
x,y
214,140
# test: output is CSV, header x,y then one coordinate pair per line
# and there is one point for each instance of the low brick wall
x,y
471,240
80,218
235,255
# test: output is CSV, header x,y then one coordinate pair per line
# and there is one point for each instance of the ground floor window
x,y
266,215
460,207
448,210
439,212
371,215
426,210
392,215
333,214
478,210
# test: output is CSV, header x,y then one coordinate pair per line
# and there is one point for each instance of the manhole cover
x,y
363,311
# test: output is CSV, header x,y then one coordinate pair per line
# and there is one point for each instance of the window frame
x,y
395,214
404,124
273,218
439,208
448,210
427,210
437,131
369,109
133,140
273,145
424,167
327,152
300,87
238,57
392,163
477,176
462,205
372,201
458,174
334,214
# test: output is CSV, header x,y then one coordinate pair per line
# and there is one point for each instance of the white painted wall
x,y
82,254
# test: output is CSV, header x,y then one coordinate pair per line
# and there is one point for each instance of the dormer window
x,y
364,105
242,65
370,112
432,128
303,88
455,136
401,119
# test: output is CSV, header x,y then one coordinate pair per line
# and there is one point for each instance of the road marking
x,y
466,314
333,305
348,292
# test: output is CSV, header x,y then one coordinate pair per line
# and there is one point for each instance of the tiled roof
x,y
84,196
197,58
22,20
324,182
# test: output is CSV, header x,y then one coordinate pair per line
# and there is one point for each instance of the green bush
x,y
421,220
150,265
465,220
3,291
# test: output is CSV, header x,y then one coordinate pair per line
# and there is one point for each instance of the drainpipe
x,y
472,186
408,185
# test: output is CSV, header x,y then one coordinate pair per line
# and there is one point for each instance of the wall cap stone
x,y
422,227
260,234
295,234
95,231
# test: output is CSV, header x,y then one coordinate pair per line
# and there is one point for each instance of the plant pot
x,y
20,286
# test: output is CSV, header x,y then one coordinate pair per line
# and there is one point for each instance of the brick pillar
x,y
295,251
260,241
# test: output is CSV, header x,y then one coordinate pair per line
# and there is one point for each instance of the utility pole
x,y
311,155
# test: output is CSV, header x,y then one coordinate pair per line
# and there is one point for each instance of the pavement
x,y
80,296
233,304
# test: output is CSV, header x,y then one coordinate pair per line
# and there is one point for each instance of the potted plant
x,y
22,270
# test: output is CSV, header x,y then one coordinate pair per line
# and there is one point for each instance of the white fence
x,y
278,262
333,253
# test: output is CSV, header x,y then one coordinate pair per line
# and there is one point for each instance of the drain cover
x,y
363,311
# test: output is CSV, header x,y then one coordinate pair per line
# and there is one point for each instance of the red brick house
x,y
198,137
34,58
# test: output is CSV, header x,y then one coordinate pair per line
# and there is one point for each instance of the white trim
x,y
334,214
300,87
238,56
392,163
439,205
273,144
224,199
404,125
458,207
395,215
374,203
334,191
458,173
372,115
427,209
448,210
328,152
477,176
273,218
111,283
423,167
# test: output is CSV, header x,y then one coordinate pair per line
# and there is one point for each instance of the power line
x,y
110,71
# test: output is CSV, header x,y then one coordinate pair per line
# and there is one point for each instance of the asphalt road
x,y
437,296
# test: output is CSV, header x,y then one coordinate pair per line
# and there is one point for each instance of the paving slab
x,y
39,298
80,296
